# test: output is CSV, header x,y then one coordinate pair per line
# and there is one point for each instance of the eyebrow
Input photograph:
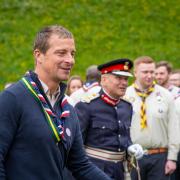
x,y
63,50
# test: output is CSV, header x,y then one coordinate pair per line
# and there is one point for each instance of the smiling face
x,y
174,79
55,64
162,75
74,85
114,85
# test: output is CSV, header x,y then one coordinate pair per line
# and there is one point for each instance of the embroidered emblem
x,y
158,96
126,67
160,111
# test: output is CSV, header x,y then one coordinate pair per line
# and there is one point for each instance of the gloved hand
x,y
136,150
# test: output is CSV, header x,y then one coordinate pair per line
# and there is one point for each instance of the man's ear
x,y
38,55
103,79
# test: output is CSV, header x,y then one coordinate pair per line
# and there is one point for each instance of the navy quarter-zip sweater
x,y
27,148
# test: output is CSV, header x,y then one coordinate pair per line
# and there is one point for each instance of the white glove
x,y
136,150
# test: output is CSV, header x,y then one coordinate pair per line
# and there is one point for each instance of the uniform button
x,y
119,149
119,121
119,135
103,127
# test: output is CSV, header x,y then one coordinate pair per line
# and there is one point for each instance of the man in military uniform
x,y
105,120
154,123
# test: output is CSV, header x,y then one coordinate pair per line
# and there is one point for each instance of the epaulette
x,y
88,97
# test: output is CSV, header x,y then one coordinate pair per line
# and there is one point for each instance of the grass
x,y
103,29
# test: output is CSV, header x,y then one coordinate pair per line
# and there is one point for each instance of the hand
x,y
170,167
136,150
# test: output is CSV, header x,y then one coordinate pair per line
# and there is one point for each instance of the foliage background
x,y
103,29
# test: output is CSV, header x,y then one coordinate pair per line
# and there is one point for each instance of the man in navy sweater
x,y
39,130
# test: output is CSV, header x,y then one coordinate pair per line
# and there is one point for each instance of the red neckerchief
x,y
109,100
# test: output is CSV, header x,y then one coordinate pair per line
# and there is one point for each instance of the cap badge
x,y
126,67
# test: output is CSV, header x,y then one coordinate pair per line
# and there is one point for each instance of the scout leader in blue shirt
x,y
105,119
39,130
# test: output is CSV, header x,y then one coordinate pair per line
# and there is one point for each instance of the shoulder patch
x,y
88,97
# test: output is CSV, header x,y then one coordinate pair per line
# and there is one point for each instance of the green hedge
x,y
103,29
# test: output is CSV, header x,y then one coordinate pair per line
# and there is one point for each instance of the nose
x,y
149,74
157,76
70,59
76,88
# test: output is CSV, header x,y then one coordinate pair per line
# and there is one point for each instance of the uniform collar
x,y
108,99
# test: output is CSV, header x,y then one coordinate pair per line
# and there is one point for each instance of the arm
x,y
173,134
84,118
129,136
8,126
78,162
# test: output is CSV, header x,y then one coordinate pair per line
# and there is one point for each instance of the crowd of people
x,y
92,129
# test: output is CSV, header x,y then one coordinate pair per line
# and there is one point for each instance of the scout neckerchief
x,y
88,85
55,123
109,100
143,96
